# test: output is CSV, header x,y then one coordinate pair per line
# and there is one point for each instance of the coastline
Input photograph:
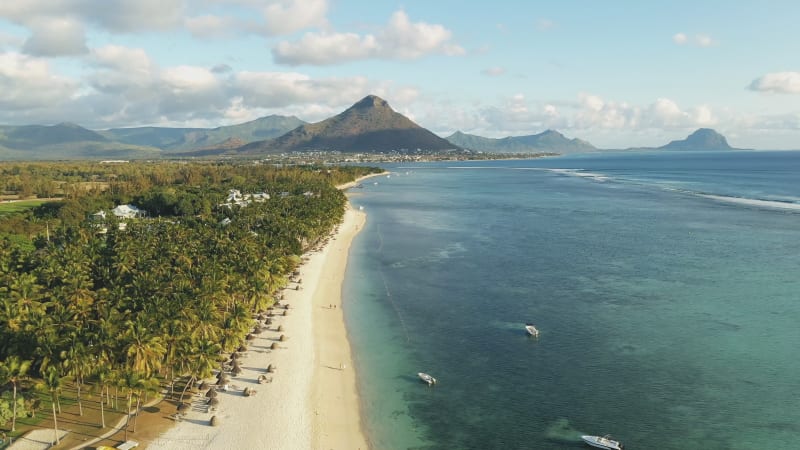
x,y
334,393
312,401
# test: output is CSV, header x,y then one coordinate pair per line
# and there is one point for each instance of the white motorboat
x,y
602,442
532,331
426,378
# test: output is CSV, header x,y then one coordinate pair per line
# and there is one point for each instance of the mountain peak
x,y
700,139
370,125
371,101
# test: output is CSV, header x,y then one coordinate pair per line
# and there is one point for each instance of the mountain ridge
x,y
546,141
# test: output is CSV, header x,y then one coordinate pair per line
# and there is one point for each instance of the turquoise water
x,y
665,287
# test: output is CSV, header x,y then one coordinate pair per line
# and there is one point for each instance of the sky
x,y
615,73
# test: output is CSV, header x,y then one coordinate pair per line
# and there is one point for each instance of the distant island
x,y
702,139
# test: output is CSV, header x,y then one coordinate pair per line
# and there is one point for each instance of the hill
x,y
179,139
701,139
64,141
547,141
369,126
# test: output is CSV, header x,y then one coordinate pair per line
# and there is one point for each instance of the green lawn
x,y
21,205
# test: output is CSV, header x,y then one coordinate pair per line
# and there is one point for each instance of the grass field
x,y
20,205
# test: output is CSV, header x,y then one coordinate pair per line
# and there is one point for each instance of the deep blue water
x,y
665,287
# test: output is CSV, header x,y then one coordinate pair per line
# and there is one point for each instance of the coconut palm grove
x,y
105,311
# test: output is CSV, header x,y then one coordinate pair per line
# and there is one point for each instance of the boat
x,y
427,378
532,331
602,442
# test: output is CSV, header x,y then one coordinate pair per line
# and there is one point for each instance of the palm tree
x,y
14,369
144,350
77,361
51,379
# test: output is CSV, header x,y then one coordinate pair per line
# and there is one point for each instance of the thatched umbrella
x,y
223,380
284,337
211,393
214,421
251,337
213,402
285,312
268,322
258,330
242,348
247,392
204,386
236,371
280,327
273,346
221,375
271,368
183,408
234,356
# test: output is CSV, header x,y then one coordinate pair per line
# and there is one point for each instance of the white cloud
x,y
132,15
288,16
326,48
55,37
111,15
698,40
211,26
494,71
28,86
680,39
399,39
544,24
778,83
702,40
518,115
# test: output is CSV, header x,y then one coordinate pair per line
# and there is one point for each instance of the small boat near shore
x,y
426,378
531,330
602,442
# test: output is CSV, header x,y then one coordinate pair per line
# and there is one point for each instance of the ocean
x,y
666,287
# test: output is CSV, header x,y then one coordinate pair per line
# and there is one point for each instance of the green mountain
x,y
181,139
547,141
64,141
702,139
369,126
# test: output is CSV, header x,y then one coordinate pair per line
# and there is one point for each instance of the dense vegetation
x,y
85,302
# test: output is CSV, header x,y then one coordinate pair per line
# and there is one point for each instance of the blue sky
x,y
617,74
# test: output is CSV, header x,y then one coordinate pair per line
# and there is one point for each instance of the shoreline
x,y
334,393
312,401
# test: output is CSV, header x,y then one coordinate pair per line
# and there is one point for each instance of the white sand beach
x,y
312,401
